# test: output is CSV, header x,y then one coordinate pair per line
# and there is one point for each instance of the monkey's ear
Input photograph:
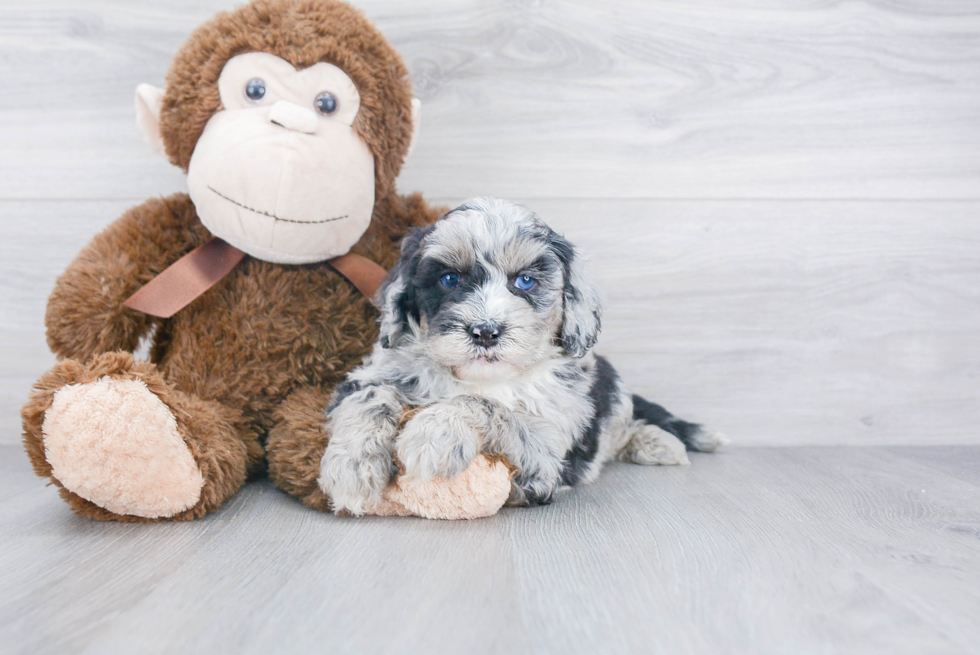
x,y
582,318
149,99
399,308
416,123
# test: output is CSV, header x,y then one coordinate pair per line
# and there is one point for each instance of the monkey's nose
x,y
486,334
293,117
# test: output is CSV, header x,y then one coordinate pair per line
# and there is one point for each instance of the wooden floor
x,y
781,203
754,550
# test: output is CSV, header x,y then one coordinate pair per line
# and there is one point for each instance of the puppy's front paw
x,y
354,484
437,442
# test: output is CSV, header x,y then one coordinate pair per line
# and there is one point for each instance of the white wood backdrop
x,y
781,199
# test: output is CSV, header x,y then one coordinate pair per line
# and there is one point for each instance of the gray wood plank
x,y
565,98
792,322
777,322
758,550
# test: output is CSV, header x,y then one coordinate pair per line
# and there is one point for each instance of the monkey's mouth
x,y
278,218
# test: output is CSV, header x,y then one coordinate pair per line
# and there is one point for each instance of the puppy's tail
x,y
694,436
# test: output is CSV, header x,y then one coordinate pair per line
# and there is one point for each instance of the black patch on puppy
x,y
573,341
404,303
344,389
406,385
544,270
654,414
565,253
569,374
432,296
602,394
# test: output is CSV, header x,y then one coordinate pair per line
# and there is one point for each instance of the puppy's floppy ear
x,y
582,318
397,293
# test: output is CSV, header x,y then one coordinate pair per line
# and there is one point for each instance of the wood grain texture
x,y
776,322
792,322
557,98
802,550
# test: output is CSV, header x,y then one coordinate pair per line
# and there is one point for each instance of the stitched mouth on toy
x,y
273,216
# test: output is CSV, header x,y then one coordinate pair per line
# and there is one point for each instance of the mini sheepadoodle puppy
x,y
488,323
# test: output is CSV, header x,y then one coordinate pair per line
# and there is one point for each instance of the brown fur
x,y
262,350
211,431
296,445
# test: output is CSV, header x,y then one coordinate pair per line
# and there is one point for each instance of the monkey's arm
x,y
85,314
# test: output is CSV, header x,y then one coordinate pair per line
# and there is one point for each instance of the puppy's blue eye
x,y
255,90
525,282
450,280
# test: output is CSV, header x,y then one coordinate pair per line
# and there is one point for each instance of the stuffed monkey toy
x,y
291,119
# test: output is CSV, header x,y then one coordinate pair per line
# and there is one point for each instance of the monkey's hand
x,y
85,314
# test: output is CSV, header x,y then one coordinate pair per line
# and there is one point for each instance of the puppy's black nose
x,y
486,334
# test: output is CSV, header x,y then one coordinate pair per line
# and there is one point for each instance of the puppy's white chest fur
x,y
533,392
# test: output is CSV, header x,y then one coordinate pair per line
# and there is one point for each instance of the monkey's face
x,y
279,172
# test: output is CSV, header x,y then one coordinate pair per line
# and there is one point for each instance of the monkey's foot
x,y
479,491
115,443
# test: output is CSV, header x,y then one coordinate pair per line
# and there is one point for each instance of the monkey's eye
x,y
325,103
255,90
450,280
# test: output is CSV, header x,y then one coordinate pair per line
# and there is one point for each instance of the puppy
x,y
488,323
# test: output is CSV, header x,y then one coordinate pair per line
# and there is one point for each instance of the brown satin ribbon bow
x,y
200,269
